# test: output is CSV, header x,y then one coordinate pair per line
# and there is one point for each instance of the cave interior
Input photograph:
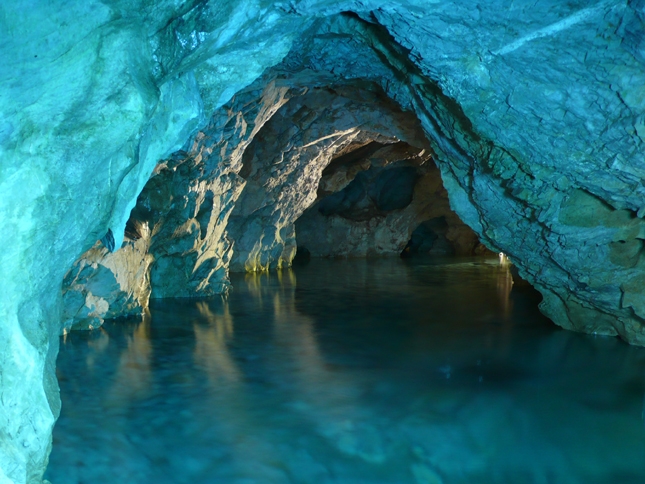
x,y
193,153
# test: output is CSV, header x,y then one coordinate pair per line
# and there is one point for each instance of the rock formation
x,y
284,165
102,285
533,113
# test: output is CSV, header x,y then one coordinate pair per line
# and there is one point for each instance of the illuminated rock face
x,y
102,285
535,118
231,199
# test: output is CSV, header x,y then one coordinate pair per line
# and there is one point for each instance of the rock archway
x,y
232,199
545,219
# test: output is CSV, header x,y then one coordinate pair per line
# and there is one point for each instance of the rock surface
x,y
231,199
494,182
103,285
535,117
93,95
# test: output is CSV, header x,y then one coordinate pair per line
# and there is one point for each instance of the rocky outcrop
x,y
190,197
535,118
103,285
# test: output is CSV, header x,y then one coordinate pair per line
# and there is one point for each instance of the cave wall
x,y
500,190
231,199
580,115
535,117
515,182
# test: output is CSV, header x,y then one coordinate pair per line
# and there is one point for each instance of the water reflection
x,y
133,379
383,371
327,400
211,350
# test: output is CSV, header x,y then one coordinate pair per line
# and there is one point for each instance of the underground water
x,y
420,371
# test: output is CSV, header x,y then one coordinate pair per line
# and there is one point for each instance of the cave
x,y
322,241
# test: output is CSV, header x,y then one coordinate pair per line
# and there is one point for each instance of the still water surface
x,y
377,371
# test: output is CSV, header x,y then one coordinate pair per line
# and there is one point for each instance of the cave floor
x,y
398,371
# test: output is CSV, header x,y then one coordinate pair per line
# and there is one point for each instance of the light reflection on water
x,y
382,371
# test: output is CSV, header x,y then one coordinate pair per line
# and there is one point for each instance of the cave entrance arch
x,y
341,171
336,161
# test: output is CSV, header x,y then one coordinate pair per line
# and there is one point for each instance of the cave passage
x,y
197,139
383,370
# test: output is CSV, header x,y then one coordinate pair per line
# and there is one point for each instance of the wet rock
x,y
104,284
285,165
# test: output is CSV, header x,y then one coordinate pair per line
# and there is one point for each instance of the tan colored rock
x,y
103,285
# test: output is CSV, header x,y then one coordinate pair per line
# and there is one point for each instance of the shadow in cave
x,y
429,238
